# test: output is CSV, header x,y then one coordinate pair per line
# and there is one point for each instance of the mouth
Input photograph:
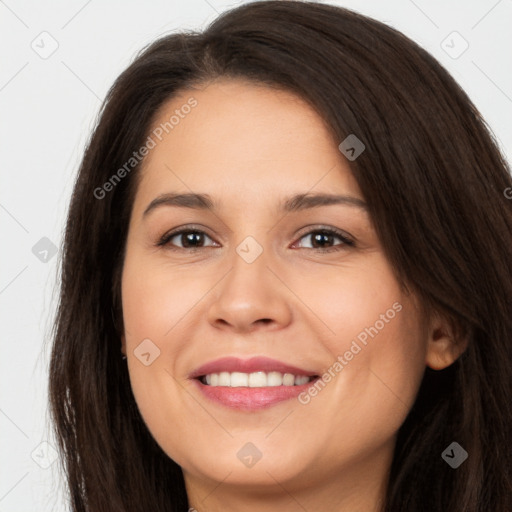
x,y
251,384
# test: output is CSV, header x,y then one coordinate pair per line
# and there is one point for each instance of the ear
x,y
445,342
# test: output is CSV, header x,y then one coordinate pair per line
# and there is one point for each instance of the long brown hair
x,y
435,183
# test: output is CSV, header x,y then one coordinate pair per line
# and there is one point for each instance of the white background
x,y
48,107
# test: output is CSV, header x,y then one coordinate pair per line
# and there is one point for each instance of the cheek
x,y
350,299
156,299
384,361
377,332
154,303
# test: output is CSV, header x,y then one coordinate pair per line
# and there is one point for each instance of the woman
x,y
286,279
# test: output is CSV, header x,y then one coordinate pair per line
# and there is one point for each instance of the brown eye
x,y
184,239
322,239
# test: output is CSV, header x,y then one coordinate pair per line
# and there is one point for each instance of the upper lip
x,y
254,364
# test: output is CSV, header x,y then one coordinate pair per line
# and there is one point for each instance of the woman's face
x,y
255,276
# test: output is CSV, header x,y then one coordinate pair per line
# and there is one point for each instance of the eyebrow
x,y
294,203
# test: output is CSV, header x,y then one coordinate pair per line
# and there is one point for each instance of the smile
x,y
251,384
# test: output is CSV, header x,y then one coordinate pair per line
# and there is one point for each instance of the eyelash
x,y
165,239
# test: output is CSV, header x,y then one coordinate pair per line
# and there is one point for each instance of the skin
x,y
249,147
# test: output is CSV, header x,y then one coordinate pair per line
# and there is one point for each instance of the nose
x,y
250,297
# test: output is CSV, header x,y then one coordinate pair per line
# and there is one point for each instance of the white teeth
x,y
239,379
288,379
255,379
224,379
274,379
301,379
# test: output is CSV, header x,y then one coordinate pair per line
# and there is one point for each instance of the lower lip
x,y
250,399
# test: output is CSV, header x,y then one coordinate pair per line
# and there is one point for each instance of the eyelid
x,y
164,239
346,239
321,227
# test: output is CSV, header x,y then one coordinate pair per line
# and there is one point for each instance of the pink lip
x,y
254,364
245,398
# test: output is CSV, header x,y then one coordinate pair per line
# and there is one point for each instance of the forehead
x,y
243,140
